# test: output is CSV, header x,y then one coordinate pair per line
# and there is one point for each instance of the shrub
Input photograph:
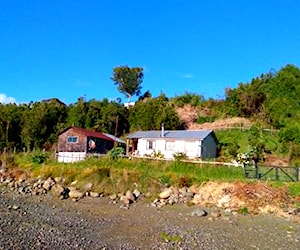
x,y
116,153
157,154
178,156
39,157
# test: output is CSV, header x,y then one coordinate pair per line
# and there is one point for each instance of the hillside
x,y
189,114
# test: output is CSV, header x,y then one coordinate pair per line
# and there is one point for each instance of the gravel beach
x,y
45,222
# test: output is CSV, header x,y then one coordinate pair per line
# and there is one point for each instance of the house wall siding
x,y
190,148
82,145
209,147
64,146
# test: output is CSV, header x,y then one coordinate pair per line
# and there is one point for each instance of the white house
x,y
193,143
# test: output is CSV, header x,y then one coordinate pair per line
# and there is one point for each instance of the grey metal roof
x,y
174,134
114,138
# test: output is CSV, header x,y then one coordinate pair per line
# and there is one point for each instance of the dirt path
x,y
43,222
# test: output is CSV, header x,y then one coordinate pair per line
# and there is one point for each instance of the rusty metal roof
x,y
91,133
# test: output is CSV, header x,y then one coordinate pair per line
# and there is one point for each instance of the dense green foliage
x,y
128,80
270,100
150,114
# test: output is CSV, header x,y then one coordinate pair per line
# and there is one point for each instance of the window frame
x,y
72,139
150,144
170,145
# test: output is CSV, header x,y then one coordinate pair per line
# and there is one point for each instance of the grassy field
x,y
149,176
117,175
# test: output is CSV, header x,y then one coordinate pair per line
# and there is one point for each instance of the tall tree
x,y
128,80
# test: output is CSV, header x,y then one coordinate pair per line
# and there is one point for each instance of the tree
x,y
128,80
150,114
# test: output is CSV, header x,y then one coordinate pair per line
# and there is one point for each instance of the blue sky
x,y
68,48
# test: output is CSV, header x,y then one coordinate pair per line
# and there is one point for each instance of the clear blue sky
x,y
68,48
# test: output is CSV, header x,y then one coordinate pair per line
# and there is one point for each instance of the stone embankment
x,y
233,198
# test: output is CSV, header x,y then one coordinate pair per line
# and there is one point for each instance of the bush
x,y
116,153
39,157
157,154
178,156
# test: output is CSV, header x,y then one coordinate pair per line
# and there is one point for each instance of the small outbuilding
x,y
75,144
193,143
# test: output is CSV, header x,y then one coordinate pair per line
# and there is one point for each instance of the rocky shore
x,y
44,214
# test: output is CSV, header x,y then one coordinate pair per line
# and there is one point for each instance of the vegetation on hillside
x,y
269,100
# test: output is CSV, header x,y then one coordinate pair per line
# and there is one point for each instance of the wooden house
x,y
76,144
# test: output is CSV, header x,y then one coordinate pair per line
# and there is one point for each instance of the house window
x,y
72,139
150,145
170,145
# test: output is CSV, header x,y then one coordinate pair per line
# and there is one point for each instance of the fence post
x,y
297,173
256,170
276,174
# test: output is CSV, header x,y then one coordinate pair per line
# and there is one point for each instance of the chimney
x,y
162,130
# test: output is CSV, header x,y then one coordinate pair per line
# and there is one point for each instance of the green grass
x,y
170,238
119,175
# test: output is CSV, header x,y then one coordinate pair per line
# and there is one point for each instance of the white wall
x,y
190,148
71,156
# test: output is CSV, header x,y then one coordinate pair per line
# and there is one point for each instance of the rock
x,y
94,194
48,183
136,193
155,201
199,212
15,207
75,194
173,199
58,190
183,191
129,195
166,193
58,179
189,195
125,200
223,201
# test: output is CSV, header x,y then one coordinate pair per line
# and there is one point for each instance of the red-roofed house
x,y
75,144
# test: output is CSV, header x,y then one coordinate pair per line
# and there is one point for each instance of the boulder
x,y
199,212
75,194
58,191
129,195
94,194
125,200
136,193
49,183
224,201
166,193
